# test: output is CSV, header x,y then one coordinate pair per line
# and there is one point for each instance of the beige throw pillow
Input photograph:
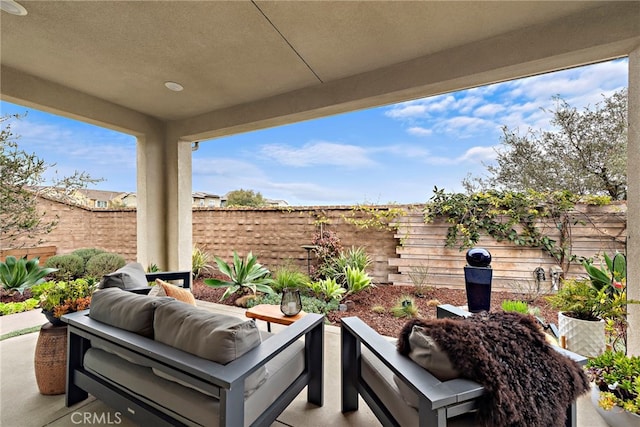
x,y
164,289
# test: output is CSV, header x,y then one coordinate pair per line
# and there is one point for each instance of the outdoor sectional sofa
x,y
159,361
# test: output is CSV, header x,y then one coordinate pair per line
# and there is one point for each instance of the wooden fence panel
x,y
43,253
594,230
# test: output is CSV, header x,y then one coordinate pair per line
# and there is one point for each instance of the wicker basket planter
x,y
50,360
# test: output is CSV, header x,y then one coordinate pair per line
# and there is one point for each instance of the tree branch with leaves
x,y
21,183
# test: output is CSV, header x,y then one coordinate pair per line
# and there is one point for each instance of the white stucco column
x,y
178,204
164,201
150,201
633,203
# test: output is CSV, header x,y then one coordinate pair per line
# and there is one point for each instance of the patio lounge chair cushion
x,y
130,276
426,352
164,289
125,310
507,354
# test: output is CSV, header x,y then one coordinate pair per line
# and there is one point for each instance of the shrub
x,y
378,309
288,276
199,262
327,289
87,253
356,280
309,304
17,307
419,276
327,249
405,307
69,266
517,306
336,267
104,263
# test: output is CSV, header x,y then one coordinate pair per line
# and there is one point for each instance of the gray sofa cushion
x,y
130,276
216,337
125,310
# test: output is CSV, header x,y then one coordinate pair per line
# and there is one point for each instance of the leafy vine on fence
x,y
375,217
521,218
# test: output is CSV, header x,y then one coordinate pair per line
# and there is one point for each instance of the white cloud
x,y
318,153
464,125
478,155
402,150
473,155
489,110
421,108
419,131
406,110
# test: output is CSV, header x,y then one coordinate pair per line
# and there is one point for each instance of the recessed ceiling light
x,y
13,7
176,87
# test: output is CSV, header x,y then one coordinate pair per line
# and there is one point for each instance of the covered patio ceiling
x,y
247,65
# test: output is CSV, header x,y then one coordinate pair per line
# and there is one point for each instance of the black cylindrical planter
x,y
477,278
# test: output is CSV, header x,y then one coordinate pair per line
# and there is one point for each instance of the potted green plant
x,y
66,297
616,387
582,312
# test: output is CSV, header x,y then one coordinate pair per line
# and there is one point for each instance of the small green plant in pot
x,y
617,377
584,311
66,297
244,276
578,299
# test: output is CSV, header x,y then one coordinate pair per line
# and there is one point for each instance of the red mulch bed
x,y
387,295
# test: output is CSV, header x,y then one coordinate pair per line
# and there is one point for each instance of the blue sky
x,y
390,154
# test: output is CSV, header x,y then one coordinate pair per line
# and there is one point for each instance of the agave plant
x,y
243,274
20,274
357,280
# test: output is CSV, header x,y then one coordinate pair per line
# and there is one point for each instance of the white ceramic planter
x,y
584,337
616,417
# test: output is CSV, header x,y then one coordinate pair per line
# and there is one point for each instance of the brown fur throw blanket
x,y
528,383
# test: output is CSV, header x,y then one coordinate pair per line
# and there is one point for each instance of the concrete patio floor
x,y
21,405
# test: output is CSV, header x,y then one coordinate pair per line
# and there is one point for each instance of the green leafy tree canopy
x,y
21,182
245,198
584,153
